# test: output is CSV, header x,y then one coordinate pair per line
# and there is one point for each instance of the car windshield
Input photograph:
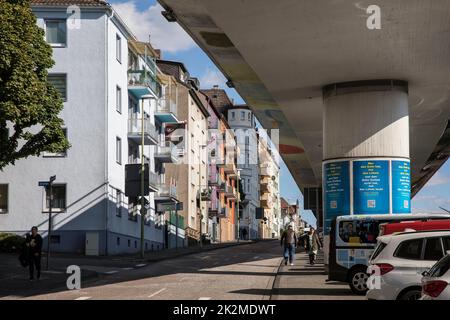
x,y
359,232
440,268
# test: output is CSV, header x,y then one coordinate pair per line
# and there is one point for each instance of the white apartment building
x,y
109,82
242,121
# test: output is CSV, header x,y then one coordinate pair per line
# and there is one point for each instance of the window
x,y
118,150
3,198
233,116
59,81
57,154
242,115
118,48
433,249
249,116
359,231
56,32
118,99
410,249
446,241
440,268
129,243
118,241
59,198
119,199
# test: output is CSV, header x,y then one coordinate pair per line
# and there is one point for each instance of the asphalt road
x,y
250,272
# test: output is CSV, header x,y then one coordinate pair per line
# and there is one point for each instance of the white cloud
x,y
167,36
438,179
212,77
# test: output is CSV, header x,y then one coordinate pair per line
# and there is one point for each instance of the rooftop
x,y
91,3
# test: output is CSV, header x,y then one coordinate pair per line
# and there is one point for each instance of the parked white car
x,y
435,283
399,261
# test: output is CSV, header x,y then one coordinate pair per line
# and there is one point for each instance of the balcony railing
x,y
166,191
154,181
142,82
167,153
166,110
135,131
213,179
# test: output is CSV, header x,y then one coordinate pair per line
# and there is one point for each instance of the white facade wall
x,y
89,171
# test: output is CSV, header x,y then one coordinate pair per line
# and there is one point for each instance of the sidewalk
x,y
308,282
14,278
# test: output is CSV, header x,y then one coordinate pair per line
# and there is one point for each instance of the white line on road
x,y
140,265
204,298
83,298
111,272
255,257
157,292
127,268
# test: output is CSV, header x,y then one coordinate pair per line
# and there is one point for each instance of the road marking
x,y
140,265
204,298
205,257
111,272
129,268
83,298
157,292
255,257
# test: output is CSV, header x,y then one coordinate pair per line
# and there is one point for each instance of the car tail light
x,y
434,288
385,268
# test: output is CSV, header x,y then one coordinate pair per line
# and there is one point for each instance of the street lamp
x,y
239,194
143,209
200,147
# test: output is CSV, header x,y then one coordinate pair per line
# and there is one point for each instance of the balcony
x,y
266,171
166,193
205,195
214,208
265,188
229,167
142,83
213,179
154,182
135,131
167,153
166,111
265,204
224,212
229,192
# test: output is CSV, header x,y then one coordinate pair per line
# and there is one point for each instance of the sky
x,y
144,19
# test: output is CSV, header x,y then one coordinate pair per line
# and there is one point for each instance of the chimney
x,y
215,87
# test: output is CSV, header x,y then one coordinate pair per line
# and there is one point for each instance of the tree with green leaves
x,y
29,104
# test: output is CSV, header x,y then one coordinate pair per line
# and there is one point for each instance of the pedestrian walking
x,y
34,243
289,242
312,245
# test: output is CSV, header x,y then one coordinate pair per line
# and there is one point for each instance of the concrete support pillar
x,y
365,149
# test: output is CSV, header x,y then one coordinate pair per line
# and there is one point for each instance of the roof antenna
x,y
448,211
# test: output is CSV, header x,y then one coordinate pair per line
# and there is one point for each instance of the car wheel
x,y
414,294
358,281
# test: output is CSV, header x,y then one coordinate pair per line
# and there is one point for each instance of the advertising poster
x,y
336,191
401,187
371,187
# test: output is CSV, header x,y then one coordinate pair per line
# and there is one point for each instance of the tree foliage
x,y
29,104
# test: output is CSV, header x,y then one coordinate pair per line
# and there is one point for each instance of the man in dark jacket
x,y
34,244
289,241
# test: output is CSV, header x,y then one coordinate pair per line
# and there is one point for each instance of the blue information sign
x,y
336,191
401,187
371,187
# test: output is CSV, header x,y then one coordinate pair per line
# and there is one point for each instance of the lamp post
x,y
200,147
50,207
238,198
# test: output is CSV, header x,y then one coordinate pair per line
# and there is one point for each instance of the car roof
x,y
413,234
393,216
